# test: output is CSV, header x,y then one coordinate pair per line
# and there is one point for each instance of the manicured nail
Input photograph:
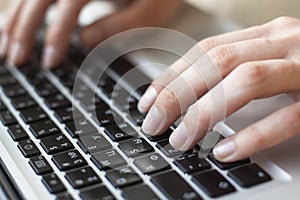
x,y
147,99
48,57
179,137
16,53
153,121
224,149
3,44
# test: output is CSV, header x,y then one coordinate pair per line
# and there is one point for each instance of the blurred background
x,y
243,12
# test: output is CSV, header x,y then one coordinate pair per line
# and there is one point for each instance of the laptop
x,y
70,133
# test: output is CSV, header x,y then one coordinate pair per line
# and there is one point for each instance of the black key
x,y
53,183
108,159
23,101
229,165
28,148
32,114
2,106
68,160
98,193
93,143
45,89
7,79
44,128
80,127
17,133
135,147
163,136
139,192
107,116
169,151
213,183
207,143
191,163
64,196
151,163
57,101
14,90
83,177
136,117
174,187
7,118
123,177
56,143
40,165
94,104
67,114
120,132
249,175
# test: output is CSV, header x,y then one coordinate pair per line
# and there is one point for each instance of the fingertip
x,y
224,151
147,99
4,44
17,54
49,57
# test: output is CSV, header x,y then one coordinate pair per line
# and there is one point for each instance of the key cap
x,y
7,79
82,177
57,101
2,106
53,183
14,90
120,132
136,117
123,177
249,175
68,160
67,114
17,133
46,88
40,165
64,196
93,143
56,143
151,163
101,193
229,165
106,117
213,183
28,148
139,192
44,128
163,136
80,127
191,163
7,118
23,101
108,159
32,114
169,151
135,147
173,186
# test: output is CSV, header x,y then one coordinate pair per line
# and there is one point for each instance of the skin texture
x,y
18,35
253,63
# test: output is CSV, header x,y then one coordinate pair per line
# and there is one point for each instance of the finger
x,y
203,75
59,33
8,28
260,135
195,53
249,81
28,22
140,13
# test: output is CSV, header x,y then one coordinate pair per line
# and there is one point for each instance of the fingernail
x,y
153,121
147,99
179,137
16,53
3,44
48,57
224,149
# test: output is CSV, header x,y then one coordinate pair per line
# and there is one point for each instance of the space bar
x,y
174,187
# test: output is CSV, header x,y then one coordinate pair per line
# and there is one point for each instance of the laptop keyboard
x,y
97,146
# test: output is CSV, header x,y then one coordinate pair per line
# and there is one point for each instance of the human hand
x,y
254,63
18,36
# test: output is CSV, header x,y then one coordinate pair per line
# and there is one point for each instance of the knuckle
x,y
208,43
290,118
284,20
167,98
257,138
253,74
222,57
